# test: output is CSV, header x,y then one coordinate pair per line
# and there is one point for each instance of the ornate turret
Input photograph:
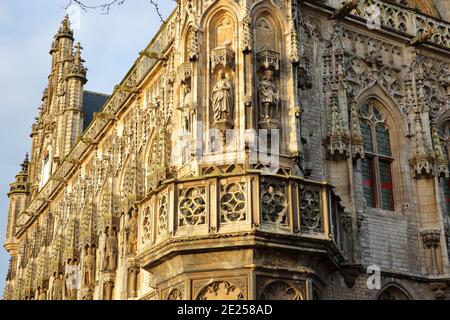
x,y
76,78
60,119
65,30
18,198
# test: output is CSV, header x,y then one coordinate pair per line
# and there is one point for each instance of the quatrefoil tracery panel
x,y
162,215
310,210
274,203
192,206
147,225
233,202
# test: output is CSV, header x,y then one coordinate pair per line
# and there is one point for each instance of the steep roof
x,y
92,102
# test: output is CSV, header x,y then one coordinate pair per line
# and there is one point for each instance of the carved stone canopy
x,y
222,56
184,72
268,60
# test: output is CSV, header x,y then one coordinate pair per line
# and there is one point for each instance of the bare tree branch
x,y
106,7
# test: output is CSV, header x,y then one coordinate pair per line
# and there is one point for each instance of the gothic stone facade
x,y
114,207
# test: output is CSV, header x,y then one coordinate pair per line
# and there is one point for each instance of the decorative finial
x,y
78,49
65,29
25,164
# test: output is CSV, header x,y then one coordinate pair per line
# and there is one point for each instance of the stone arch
x,y
378,93
152,160
393,291
280,290
46,164
443,118
175,294
216,10
267,13
220,290
267,34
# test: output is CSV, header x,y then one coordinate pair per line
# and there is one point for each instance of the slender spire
x,y
78,69
65,30
25,164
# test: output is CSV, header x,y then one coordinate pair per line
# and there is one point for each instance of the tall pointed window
x,y
445,135
376,167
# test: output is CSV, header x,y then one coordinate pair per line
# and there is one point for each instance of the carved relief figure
x,y
224,33
268,95
110,258
132,228
89,267
222,98
265,36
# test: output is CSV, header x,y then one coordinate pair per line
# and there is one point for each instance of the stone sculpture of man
x,y
187,105
268,95
58,286
89,267
222,98
132,232
110,259
42,294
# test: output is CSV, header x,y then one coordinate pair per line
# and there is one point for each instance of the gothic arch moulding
x,y
388,105
281,290
221,290
216,11
396,124
443,118
268,32
393,291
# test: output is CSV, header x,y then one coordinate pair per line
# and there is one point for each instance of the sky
x,y
111,44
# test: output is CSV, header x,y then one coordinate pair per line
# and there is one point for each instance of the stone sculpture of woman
x,y
110,258
132,231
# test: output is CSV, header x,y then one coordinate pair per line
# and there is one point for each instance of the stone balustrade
x,y
239,204
400,19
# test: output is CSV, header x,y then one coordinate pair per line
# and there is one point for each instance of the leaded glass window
x,y
445,135
376,167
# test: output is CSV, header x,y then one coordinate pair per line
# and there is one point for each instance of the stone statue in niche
x,y
89,266
186,108
132,228
72,279
58,287
222,98
110,257
268,95
42,293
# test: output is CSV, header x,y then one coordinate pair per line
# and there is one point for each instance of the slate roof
x,y
92,102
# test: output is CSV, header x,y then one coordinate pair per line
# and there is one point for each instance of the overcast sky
x,y
111,44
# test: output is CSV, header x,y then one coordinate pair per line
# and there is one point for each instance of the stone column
x,y
133,275
108,287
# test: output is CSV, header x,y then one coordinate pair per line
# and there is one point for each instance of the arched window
x,y
392,292
46,170
445,134
376,167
